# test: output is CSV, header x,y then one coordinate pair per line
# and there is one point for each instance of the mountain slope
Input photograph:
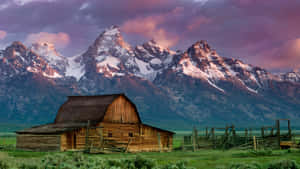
x,y
171,89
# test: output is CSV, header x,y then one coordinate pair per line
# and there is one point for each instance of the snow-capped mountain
x,y
293,76
202,62
111,56
193,86
48,53
17,59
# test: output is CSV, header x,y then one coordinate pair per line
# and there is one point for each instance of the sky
x,y
264,33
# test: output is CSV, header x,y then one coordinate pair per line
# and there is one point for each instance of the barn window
x,y
130,134
109,134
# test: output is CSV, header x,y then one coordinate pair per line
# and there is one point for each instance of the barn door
x,y
74,141
159,141
69,140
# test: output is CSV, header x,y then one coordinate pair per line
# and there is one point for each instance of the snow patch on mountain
x,y
248,88
189,69
109,62
215,86
53,76
75,68
293,76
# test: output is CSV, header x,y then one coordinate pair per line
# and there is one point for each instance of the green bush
x,y
26,166
178,165
3,165
245,166
143,163
79,161
284,164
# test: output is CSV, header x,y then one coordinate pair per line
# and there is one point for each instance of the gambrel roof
x,y
80,109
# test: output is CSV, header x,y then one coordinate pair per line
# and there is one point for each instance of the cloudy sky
x,y
261,32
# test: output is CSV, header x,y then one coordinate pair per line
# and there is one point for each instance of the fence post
x,y
289,128
87,135
195,138
278,132
234,135
272,131
262,132
213,136
254,143
233,131
182,144
246,135
226,132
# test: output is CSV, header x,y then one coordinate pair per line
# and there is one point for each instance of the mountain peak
x,y
202,44
112,31
18,45
154,47
109,38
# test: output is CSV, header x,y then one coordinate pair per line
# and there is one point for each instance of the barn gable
x,y
122,110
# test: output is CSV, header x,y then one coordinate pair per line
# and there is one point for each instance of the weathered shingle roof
x,y
80,109
52,128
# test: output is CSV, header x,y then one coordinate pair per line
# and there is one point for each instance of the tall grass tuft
x,y
284,164
245,166
3,165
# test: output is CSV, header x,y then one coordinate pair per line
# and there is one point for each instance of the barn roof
x,y
52,128
80,109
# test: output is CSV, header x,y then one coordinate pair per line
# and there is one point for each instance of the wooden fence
x,y
227,137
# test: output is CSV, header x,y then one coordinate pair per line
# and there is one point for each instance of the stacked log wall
x,y
37,142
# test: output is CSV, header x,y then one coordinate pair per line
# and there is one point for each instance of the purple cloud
x,y
245,29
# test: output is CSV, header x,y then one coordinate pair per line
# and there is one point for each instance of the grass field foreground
x,y
206,159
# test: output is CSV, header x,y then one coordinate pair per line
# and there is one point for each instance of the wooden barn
x,y
96,123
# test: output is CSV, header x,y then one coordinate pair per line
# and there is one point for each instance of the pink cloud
x,y
286,56
152,27
60,40
2,34
197,22
149,28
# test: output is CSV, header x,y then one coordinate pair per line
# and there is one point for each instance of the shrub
x,y
178,165
143,163
79,161
26,166
245,166
3,165
284,164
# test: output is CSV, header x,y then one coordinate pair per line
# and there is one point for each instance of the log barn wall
x,y
38,142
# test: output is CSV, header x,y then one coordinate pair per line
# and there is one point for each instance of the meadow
x,y
204,158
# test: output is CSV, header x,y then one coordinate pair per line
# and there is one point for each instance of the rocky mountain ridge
x,y
195,86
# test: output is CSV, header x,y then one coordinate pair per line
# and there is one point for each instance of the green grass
x,y
7,141
206,159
